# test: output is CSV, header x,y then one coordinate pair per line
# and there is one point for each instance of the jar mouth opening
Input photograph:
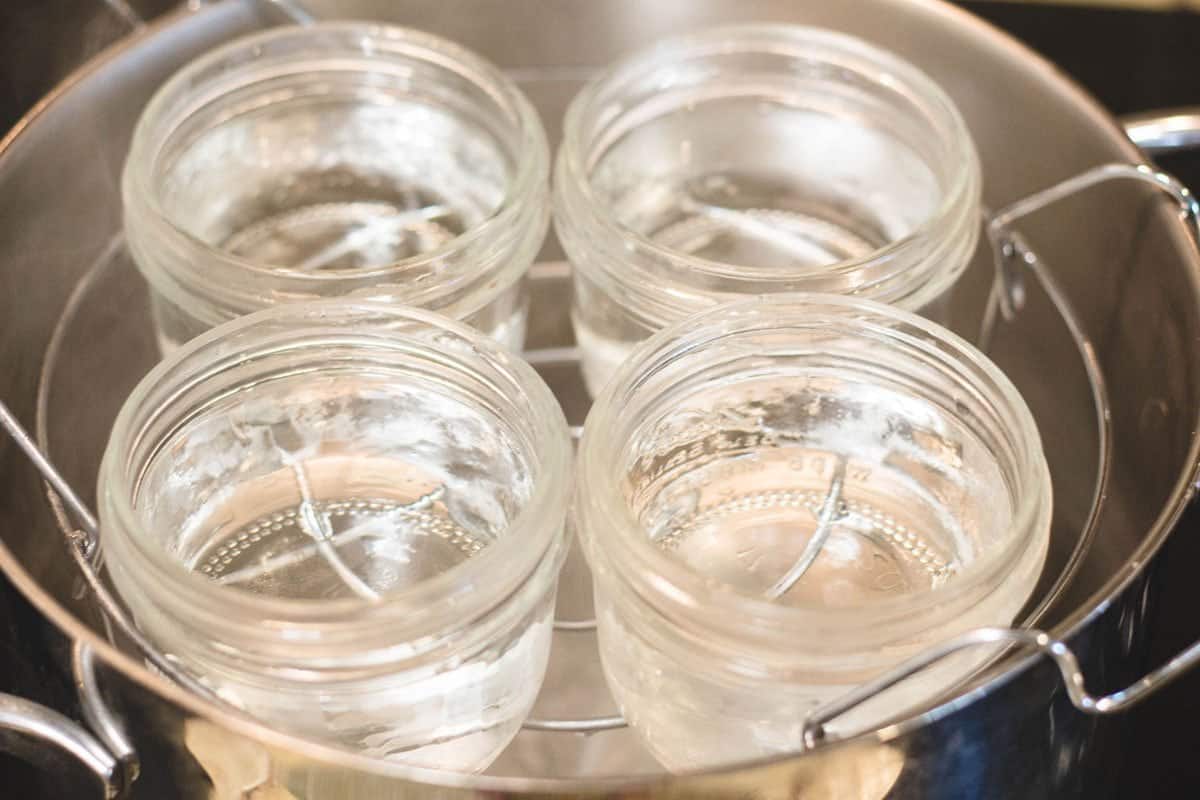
x,y
347,48
675,587
587,139
495,571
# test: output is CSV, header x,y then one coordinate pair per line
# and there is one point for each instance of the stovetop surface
x,y
1130,60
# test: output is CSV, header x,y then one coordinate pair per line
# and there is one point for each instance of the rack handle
x,y
815,725
1013,257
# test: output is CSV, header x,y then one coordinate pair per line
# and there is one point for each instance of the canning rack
x,y
109,752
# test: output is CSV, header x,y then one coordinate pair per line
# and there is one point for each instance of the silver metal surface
x,y
44,727
825,519
1165,131
83,514
1124,260
83,545
1060,653
584,725
1012,253
99,715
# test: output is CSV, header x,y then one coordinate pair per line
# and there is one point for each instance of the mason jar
x,y
781,499
337,159
753,160
346,519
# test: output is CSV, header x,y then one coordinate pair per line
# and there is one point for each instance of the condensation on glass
x,y
781,499
755,160
337,159
347,520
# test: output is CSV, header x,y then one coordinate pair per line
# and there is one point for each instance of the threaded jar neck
x,y
759,159
355,415
726,431
427,170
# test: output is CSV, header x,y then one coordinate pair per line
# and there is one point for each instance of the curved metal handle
x,y
815,732
25,724
1014,256
1164,131
108,754
99,716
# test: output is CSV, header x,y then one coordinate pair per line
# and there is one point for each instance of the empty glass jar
x,y
780,499
347,520
337,159
752,160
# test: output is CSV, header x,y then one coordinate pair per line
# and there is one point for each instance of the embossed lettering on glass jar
x,y
782,498
346,519
752,160
336,159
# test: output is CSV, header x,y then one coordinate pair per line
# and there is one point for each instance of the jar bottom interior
x,y
764,516
334,487
337,483
819,491
320,233
332,183
765,183
374,532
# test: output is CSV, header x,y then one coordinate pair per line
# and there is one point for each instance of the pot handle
x,y
1164,131
99,716
34,731
30,729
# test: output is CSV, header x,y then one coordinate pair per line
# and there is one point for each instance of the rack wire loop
x,y
1013,257
815,730
1012,253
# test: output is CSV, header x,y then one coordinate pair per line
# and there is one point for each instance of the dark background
x,y
1130,60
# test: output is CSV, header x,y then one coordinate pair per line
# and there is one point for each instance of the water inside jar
x,y
334,182
819,500
347,235
389,527
334,487
765,183
351,484
749,537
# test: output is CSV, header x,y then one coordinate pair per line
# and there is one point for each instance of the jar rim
x,y
881,66
675,586
369,41
529,536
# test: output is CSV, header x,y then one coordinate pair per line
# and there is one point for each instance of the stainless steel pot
x,y
1103,346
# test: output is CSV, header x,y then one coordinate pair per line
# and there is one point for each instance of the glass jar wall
x,y
347,520
781,499
754,160
337,159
